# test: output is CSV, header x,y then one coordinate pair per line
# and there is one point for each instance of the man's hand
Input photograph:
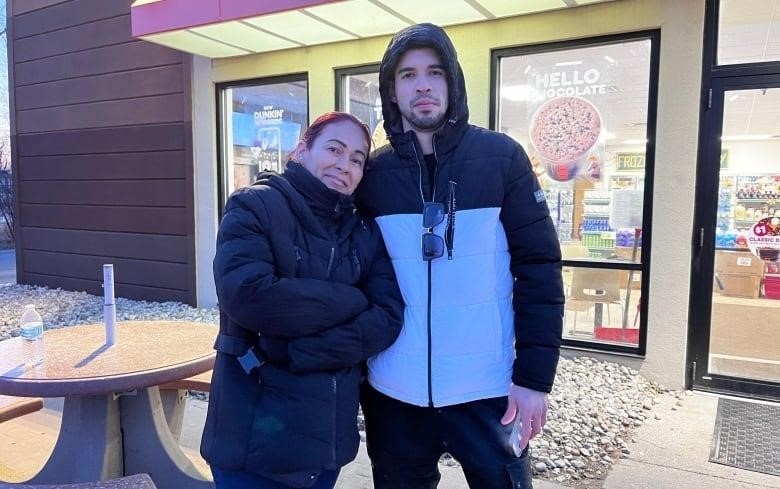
x,y
531,406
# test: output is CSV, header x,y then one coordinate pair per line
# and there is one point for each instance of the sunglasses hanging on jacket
x,y
434,213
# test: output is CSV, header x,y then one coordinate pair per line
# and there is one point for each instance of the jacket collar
x,y
321,209
323,201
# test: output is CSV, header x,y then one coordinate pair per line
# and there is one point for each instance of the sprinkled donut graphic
x,y
563,131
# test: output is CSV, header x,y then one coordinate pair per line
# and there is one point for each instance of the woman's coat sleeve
x,y
369,333
254,297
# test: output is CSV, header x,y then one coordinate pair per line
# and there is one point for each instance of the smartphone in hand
x,y
514,436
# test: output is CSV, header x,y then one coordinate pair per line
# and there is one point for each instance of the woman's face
x,y
337,156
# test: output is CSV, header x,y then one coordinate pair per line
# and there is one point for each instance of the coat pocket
x,y
292,425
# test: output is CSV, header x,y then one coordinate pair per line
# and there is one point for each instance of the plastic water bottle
x,y
32,336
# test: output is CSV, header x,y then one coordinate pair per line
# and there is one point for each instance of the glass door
x,y
736,315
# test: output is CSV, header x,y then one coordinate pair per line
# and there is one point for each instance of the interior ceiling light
x,y
517,93
606,135
746,137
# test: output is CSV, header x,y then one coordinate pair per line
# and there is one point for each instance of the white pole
x,y
109,306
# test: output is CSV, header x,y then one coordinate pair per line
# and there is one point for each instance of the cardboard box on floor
x,y
739,273
741,262
740,285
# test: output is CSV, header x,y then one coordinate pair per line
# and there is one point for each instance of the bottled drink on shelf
x,y
31,328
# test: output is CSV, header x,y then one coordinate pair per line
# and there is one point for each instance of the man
x,y
484,303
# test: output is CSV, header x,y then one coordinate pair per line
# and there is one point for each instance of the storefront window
x,y
746,284
581,113
358,90
260,124
748,31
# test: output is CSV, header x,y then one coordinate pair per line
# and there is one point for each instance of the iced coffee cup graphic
x,y
563,131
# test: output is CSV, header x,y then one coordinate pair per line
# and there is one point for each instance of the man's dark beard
x,y
427,123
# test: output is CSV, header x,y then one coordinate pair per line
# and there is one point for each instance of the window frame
x,y
654,36
220,104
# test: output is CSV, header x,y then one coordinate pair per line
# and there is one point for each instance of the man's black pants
x,y
405,443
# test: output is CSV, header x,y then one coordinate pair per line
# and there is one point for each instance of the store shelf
x,y
596,201
561,205
757,201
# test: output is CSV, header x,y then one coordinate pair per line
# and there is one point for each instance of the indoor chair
x,y
591,287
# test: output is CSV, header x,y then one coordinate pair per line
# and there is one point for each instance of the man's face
x,y
420,90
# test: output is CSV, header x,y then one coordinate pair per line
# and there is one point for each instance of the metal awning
x,y
223,28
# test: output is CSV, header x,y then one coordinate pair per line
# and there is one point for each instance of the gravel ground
x,y
595,406
60,308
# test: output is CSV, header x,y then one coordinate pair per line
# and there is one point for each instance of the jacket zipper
x,y
333,246
356,262
330,261
430,336
334,418
430,268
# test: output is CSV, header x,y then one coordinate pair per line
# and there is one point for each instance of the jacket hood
x,y
422,36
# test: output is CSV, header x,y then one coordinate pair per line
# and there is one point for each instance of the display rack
x,y
561,204
596,232
756,197
743,200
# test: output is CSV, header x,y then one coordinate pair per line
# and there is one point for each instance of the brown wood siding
x,y
167,275
113,86
129,245
79,38
95,288
102,153
147,165
122,57
66,14
131,139
157,193
24,6
146,110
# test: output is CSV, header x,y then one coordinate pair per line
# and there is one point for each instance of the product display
x,y
561,204
595,230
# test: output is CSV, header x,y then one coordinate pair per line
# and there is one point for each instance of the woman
x,y
306,287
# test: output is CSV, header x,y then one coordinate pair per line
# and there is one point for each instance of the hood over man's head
x,y
417,37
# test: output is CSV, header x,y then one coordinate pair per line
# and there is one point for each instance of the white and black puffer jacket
x,y
492,314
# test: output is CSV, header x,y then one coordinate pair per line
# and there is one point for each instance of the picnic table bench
x,y
12,407
172,395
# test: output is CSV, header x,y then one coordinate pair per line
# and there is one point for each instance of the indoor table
x,y
112,420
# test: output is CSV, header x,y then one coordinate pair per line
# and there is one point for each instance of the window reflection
x,y
262,124
360,97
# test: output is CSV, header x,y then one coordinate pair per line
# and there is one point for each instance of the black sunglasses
x,y
432,244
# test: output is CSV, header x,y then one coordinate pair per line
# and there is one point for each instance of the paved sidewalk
x,y
673,452
668,453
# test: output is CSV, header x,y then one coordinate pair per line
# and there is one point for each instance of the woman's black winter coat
x,y
300,275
